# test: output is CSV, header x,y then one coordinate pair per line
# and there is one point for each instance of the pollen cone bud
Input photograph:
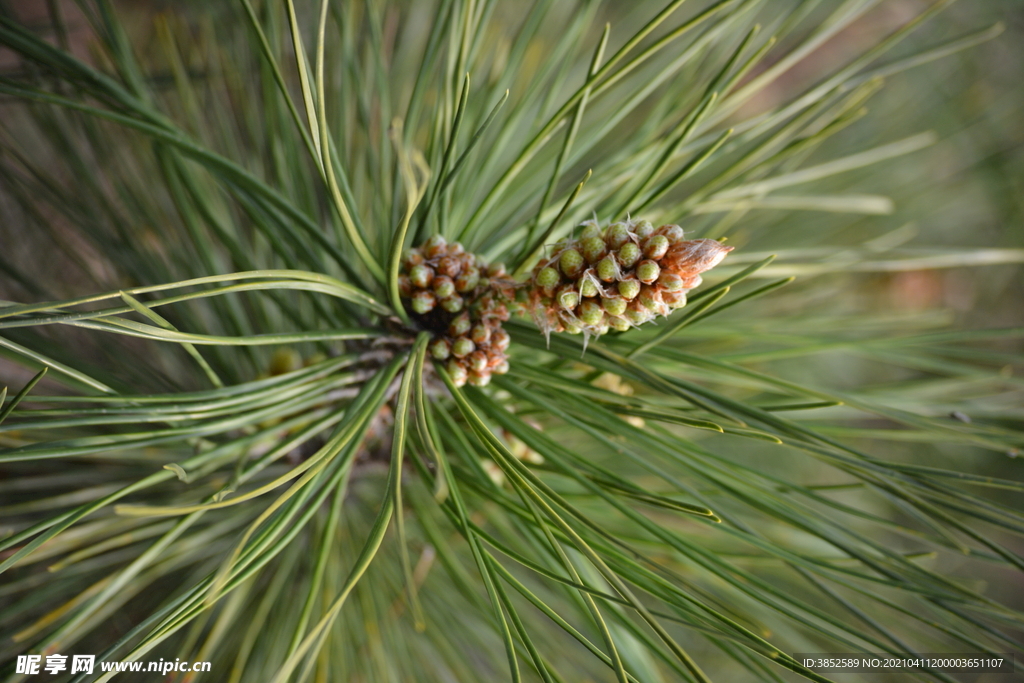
x,y
462,347
460,325
421,275
500,339
443,286
449,266
480,379
647,271
629,254
588,287
440,349
453,303
614,306
650,298
590,229
656,246
477,361
568,298
616,235
637,315
670,282
593,249
411,258
643,230
619,324
628,289
571,262
435,246
467,280
458,373
480,334
674,299
405,286
673,233
547,278
608,269
590,312
423,301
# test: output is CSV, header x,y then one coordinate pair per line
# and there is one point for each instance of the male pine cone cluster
x,y
455,296
613,278
616,278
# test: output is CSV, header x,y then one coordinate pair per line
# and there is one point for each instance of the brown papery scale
x,y
462,302
618,277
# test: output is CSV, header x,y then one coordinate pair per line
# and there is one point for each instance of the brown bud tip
x,y
695,256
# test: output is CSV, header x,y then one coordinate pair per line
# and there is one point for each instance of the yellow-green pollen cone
x,y
617,277
462,302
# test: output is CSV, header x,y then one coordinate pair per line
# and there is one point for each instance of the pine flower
x,y
617,278
453,294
